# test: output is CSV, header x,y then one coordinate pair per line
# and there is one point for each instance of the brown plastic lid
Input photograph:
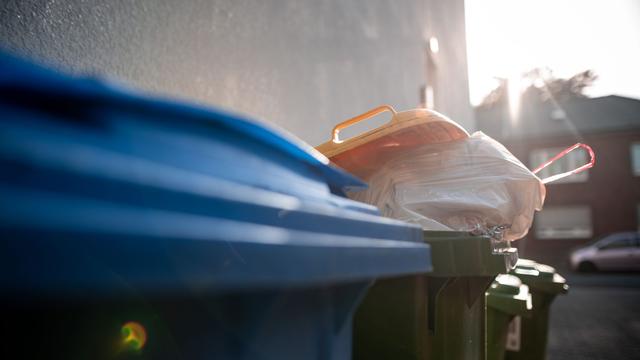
x,y
364,153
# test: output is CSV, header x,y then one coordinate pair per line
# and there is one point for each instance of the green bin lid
x,y
506,284
461,254
508,294
540,277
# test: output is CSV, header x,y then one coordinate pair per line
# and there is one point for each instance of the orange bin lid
x,y
361,155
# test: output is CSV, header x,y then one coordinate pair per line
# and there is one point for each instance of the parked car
x,y
615,252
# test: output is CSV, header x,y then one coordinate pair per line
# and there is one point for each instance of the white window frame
x,y
568,232
635,158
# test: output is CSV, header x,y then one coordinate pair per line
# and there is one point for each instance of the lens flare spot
x,y
134,336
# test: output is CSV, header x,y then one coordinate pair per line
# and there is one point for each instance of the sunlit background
x,y
506,38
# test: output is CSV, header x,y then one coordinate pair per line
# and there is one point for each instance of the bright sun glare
x,y
508,37
514,97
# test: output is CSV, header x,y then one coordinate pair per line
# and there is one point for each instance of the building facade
x,y
586,206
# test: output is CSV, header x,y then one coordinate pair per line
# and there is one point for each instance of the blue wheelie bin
x,y
136,227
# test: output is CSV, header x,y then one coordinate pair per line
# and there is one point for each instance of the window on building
x,y
570,161
564,222
635,159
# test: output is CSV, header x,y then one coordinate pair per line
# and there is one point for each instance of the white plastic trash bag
x,y
474,184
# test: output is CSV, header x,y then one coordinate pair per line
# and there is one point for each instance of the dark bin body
x,y
222,238
507,298
544,284
435,316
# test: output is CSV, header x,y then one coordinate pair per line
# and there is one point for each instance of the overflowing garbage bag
x,y
453,181
473,184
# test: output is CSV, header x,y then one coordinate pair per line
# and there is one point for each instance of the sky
x,y
506,38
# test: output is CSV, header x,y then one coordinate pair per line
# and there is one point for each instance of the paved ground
x,y
598,319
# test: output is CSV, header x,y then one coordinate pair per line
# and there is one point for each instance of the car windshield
x,y
602,238
620,240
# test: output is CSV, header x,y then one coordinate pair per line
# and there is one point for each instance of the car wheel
x,y
587,266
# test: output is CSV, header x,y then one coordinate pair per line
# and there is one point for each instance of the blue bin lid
x,y
34,86
108,191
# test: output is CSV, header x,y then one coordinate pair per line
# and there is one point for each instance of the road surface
x,y
598,319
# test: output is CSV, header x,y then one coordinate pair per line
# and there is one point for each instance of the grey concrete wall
x,y
301,64
446,21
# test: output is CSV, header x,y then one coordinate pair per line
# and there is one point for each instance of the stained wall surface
x,y
301,64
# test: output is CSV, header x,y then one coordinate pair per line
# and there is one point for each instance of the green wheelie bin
x,y
544,284
441,315
508,300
